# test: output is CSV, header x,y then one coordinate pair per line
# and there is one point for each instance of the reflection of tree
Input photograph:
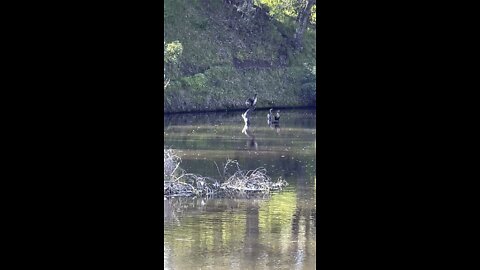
x,y
304,221
251,235
256,234
175,208
169,212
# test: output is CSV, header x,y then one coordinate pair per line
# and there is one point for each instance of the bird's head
x,y
271,110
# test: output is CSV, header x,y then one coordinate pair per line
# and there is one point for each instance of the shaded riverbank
x,y
243,109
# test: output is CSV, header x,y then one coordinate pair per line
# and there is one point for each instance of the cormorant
x,y
276,118
251,102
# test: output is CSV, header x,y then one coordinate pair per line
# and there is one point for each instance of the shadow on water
x,y
272,232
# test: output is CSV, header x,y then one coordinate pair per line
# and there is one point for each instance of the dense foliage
x,y
218,52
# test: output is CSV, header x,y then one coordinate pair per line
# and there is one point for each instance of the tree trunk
x,y
302,22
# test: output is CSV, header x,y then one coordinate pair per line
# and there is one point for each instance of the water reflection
x,y
277,128
272,232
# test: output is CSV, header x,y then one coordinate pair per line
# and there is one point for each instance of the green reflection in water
x,y
276,232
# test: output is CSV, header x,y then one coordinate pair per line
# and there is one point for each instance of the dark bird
x,y
276,117
270,116
251,102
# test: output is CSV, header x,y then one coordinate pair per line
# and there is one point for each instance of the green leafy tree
x,y
171,55
304,10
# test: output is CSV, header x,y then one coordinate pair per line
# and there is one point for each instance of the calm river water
x,y
274,232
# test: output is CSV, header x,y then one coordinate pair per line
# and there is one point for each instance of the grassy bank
x,y
226,58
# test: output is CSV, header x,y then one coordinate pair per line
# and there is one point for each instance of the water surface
x,y
271,232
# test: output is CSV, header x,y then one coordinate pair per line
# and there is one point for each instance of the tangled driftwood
x,y
235,181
